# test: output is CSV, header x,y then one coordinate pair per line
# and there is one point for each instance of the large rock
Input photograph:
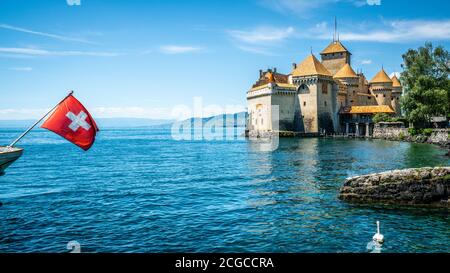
x,y
409,186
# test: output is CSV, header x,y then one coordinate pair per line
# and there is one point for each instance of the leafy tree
x,y
426,82
381,117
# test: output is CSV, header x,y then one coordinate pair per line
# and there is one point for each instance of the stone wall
x,y
409,186
390,131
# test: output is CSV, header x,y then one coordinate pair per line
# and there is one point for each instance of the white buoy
x,y
378,237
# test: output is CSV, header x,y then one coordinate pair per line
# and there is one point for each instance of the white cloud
x,y
366,62
24,69
176,49
44,34
17,51
262,35
403,31
260,40
395,73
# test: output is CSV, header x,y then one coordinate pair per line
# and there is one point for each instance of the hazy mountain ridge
x,y
137,122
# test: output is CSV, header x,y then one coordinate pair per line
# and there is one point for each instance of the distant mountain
x,y
229,120
141,122
101,122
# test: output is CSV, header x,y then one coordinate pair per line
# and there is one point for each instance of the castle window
x,y
377,95
325,103
398,98
304,103
369,98
303,89
392,98
324,88
384,95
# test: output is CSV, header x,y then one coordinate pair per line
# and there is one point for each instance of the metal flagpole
x,y
37,122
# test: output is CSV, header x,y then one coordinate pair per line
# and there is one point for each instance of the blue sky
x,y
141,58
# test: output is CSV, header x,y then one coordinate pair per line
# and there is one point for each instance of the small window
x,y
398,98
384,95
304,103
369,98
376,95
325,103
324,88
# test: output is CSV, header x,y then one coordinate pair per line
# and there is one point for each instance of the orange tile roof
x,y
395,82
309,67
346,72
370,109
334,47
381,77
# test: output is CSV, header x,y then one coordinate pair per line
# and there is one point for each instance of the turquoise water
x,y
137,190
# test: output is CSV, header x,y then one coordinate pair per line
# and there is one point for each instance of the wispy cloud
x,y
364,62
23,51
262,34
260,40
22,69
387,31
403,31
177,49
395,73
44,34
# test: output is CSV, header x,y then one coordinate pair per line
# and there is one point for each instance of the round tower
x,y
397,90
381,88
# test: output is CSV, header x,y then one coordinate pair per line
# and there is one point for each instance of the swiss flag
x,y
73,122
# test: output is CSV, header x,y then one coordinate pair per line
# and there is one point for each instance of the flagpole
x,y
37,122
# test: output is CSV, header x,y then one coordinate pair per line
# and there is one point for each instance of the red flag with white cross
x,y
73,122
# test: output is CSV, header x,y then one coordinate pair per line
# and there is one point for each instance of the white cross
x,y
78,121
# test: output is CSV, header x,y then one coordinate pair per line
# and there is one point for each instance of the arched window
x,y
303,89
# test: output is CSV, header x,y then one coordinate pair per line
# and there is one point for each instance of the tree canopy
x,y
426,83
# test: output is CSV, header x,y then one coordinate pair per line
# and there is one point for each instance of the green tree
x,y
380,117
426,82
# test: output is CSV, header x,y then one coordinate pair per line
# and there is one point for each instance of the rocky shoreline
x,y
421,186
439,137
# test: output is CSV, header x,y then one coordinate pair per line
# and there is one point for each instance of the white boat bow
x,y
7,156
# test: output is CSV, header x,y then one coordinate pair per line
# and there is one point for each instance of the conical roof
x,y
334,47
396,82
309,67
381,77
346,72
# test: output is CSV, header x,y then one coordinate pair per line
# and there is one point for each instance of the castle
x,y
321,97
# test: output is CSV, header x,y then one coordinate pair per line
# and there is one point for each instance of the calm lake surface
x,y
138,190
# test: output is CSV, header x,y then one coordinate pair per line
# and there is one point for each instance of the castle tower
x,y
397,90
381,88
335,56
314,105
347,77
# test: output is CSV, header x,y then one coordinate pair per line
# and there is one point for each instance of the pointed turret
x,y
310,66
396,81
346,72
381,77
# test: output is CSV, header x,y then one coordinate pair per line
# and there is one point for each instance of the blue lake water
x,y
138,190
